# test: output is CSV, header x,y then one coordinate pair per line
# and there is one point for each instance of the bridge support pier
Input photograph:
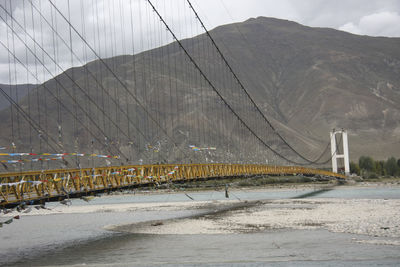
x,y
335,151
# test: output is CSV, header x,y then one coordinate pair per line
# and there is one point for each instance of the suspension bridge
x,y
120,93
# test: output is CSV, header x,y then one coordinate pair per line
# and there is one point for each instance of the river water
x,y
80,239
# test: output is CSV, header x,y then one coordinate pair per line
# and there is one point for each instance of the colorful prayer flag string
x,y
56,156
59,155
195,148
30,160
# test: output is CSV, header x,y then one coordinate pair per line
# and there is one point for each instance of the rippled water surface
x,y
79,239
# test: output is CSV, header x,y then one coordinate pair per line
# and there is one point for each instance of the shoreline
x,y
91,207
363,216
278,186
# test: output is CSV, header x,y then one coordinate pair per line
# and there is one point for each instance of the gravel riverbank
x,y
373,217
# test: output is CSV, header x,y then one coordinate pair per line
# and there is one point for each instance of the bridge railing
x,y
50,184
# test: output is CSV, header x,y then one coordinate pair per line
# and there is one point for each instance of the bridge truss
x,y
34,187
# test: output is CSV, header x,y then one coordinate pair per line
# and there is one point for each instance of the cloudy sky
x,y
364,17
102,22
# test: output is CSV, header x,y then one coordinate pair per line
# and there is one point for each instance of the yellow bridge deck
x,y
32,186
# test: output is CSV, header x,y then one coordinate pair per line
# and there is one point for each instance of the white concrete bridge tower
x,y
335,151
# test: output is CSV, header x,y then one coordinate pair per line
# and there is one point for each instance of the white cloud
x,y
350,27
377,24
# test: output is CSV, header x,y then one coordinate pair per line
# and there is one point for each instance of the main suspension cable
x,y
247,93
216,91
119,80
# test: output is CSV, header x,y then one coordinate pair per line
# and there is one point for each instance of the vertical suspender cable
x,y
15,81
125,71
112,22
44,79
10,85
86,80
75,127
28,83
38,87
56,57
134,82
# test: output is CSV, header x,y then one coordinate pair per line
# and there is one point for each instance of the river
x,y
66,237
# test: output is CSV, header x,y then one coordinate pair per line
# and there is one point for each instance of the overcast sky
x,y
364,17
108,20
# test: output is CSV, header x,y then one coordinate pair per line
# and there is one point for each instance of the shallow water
x,y
288,247
31,235
244,194
76,239
365,193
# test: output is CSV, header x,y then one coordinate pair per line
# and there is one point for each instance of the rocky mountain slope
x,y
306,80
23,90
315,79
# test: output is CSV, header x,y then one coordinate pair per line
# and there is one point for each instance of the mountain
x,y
317,79
306,80
22,89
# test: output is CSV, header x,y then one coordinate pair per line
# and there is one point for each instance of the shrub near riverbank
x,y
368,168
